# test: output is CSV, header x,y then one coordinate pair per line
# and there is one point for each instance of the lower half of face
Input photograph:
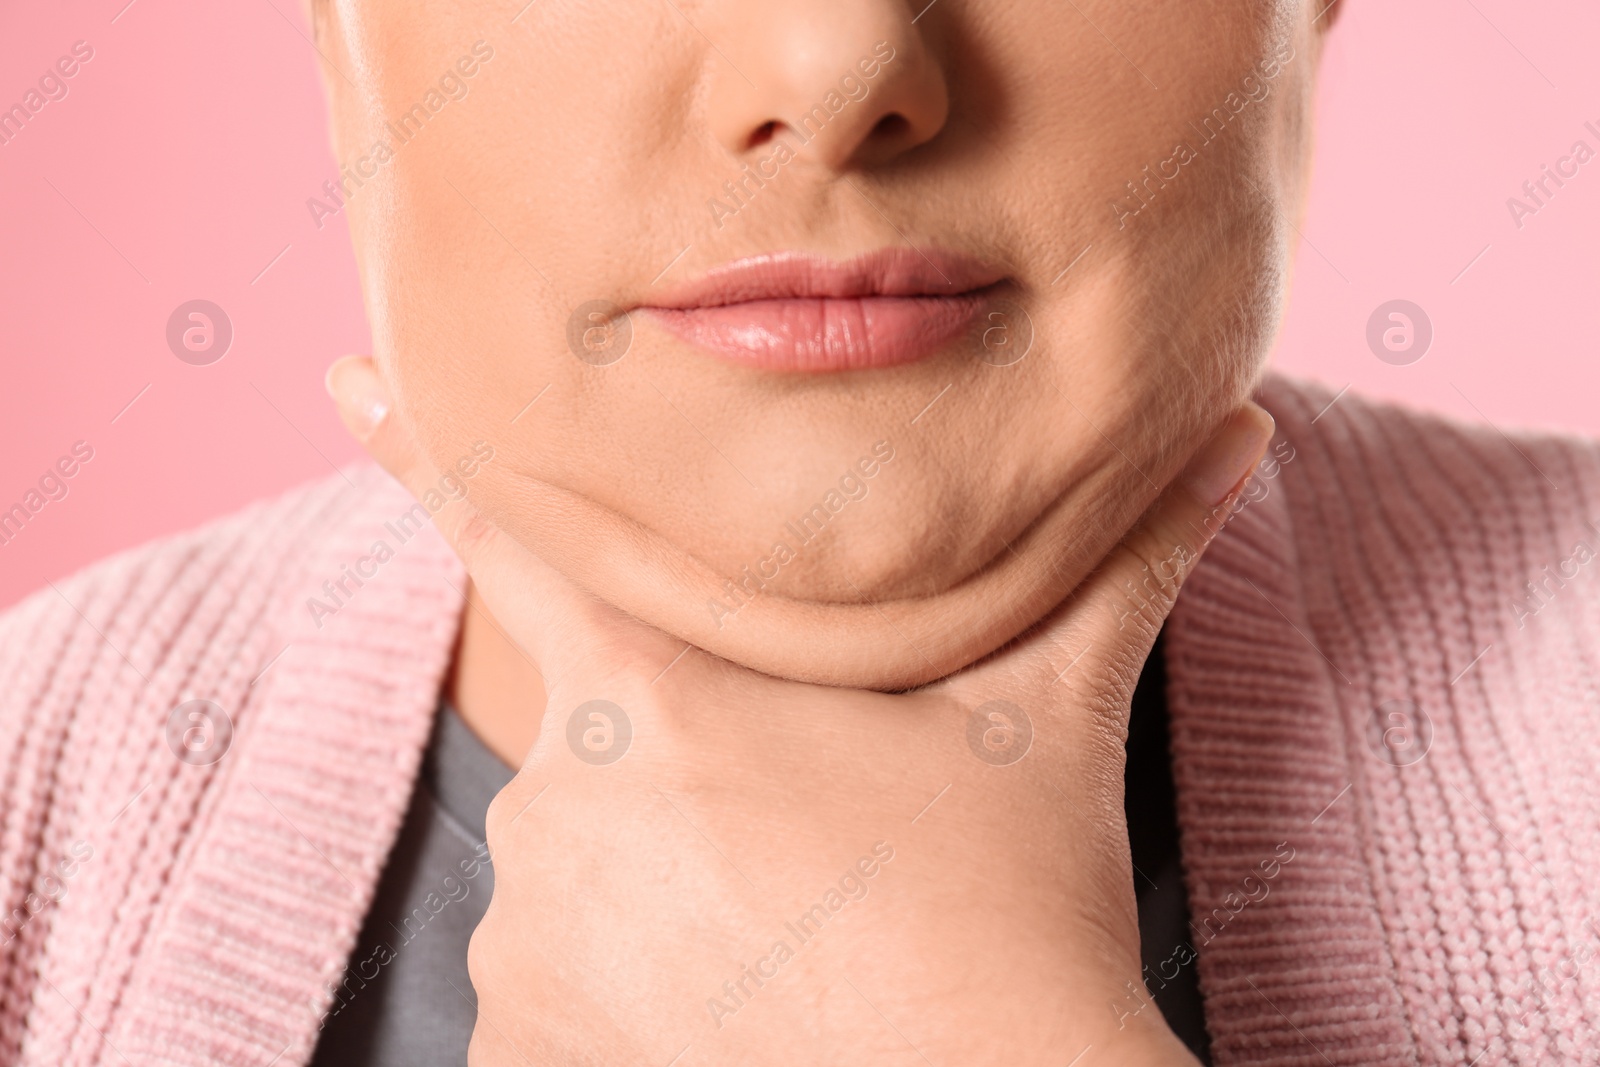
x,y
840,342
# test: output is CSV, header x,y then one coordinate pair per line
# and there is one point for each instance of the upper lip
x,y
887,272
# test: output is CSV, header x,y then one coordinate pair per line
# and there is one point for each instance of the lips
x,y
800,313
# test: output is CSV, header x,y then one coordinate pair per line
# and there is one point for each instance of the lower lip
x,y
819,335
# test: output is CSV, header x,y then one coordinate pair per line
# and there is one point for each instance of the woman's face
x,y
838,338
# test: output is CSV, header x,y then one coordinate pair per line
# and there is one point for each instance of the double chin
x,y
788,619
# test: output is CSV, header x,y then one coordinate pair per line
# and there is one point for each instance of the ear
x,y
322,20
1327,14
309,10
346,119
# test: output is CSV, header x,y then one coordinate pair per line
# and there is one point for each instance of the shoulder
x,y
1399,481
1404,529
1386,666
186,616
93,666
1385,440
186,597
122,688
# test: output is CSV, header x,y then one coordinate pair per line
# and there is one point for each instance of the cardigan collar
x,y
268,898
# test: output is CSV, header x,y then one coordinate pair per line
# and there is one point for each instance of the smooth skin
x,y
1003,931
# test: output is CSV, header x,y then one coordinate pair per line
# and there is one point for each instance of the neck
x,y
494,686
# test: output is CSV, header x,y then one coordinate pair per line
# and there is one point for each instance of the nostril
x,y
891,127
764,134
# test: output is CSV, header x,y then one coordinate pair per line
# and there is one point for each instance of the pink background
x,y
183,155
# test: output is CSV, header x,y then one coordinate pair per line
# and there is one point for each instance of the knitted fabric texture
x,y
1386,669
1383,740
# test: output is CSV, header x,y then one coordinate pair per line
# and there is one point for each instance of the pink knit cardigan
x,y
1383,686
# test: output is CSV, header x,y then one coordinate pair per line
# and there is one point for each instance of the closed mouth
x,y
800,313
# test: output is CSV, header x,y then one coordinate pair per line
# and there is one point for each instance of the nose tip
x,y
852,84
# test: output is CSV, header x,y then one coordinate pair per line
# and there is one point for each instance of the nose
x,y
853,83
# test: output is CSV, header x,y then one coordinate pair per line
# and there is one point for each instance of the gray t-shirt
x,y
405,1000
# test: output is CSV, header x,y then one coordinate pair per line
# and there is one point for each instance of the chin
x,y
933,621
